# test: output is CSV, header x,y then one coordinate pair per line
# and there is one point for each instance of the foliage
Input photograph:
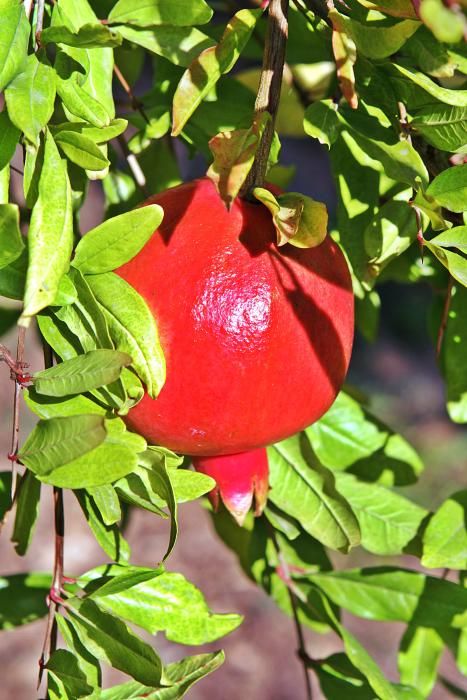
x,y
393,116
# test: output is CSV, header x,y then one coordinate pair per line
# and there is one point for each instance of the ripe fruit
x,y
257,339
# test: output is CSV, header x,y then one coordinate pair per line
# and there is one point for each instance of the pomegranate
x,y
257,339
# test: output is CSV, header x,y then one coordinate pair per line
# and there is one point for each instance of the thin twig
x,y
136,104
28,5
134,166
420,239
50,638
269,90
294,595
17,367
39,21
444,317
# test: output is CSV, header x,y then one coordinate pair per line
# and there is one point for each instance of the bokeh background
x,y
398,371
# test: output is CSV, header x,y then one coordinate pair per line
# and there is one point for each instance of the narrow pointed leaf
x,y
65,666
27,511
111,641
83,373
389,593
50,237
81,150
117,240
144,14
11,240
9,137
445,538
179,45
169,603
132,326
306,490
449,188
14,37
59,440
30,97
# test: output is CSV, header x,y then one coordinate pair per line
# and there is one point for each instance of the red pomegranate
x,y
257,339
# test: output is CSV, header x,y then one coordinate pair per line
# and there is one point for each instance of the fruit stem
x,y
269,89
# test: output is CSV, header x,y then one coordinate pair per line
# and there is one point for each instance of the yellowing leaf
x,y
345,54
234,153
298,219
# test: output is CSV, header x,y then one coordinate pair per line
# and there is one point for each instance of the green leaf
x,y
400,160
23,599
11,240
201,76
117,240
449,189
445,538
182,674
107,503
88,36
27,511
50,237
447,26
13,277
81,150
158,480
79,103
362,661
132,327
9,136
298,219
379,42
64,666
108,462
339,678
388,521
98,65
419,656
345,434
453,355
443,126
171,604
144,14
83,373
5,493
108,537
111,641
389,593
97,135
456,98
179,45
51,407
30,97
301,487
390,233
86,662
59,440
321,122
188,485
14,38
456,263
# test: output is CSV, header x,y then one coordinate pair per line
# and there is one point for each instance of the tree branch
x,y
269,90
50,638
